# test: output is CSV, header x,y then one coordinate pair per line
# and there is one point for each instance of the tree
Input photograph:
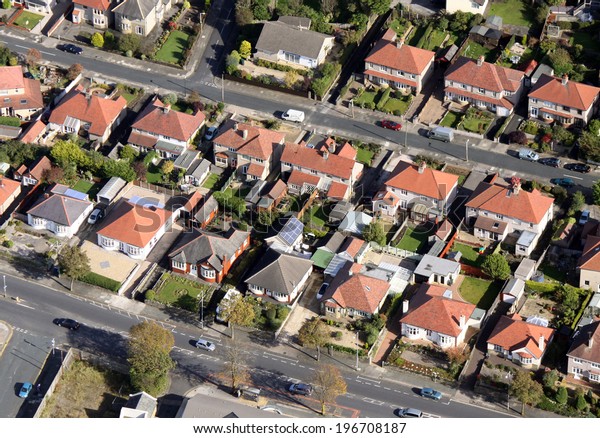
x,y
580,403
374,232
562,135
589,146
186,5
596,192
74,71
128,153
245,49
232,61
140,170
561,61
235,370
129,42
518,137
148,356
562,396
328,6
496,266
66,152
6,4
541,14
238,311
291,77
577,203
170,99
74,262
314,333
97,40
243,15
328,385
53,175
121,169
230,203
167,169
550,379
376,7
33,57
527,390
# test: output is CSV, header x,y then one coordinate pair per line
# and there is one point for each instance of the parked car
x,y
322,290
25,389
71,324
205,345
70,48
96,215
585,216
211,133
409,413
528,154
389,124
578,167
552,162
563,182
431,393
301,388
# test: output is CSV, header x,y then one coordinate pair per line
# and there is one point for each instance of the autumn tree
x,y
166,169
140,170
496,266
74,262
527,390
74,71
238,311
33,57
291,77
66,152
328,385
314,333
235,371
245,49
148,356
53,175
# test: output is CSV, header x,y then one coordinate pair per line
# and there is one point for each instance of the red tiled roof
x,y
309,158
259,142
565,114
514,334
134,224
503,102
347,151
143,140
351,246
102,5
337,190
489,76
97,111
389,77
406,58
31,98
298,178
7,188
11,77
431,183
255,169
33,131
432,311
386,197
193,201
590,257
571,94
526,206
38,167
158,119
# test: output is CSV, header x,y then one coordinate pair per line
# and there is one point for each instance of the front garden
x,y
385,100
28,20
474,120
173,290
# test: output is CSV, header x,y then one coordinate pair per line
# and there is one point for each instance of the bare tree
x,y
235,370
328,6
33,57
328,384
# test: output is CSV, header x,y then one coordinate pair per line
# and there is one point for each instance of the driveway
x,y
307,308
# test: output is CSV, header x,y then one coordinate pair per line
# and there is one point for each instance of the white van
x,y
441,133
528,154
293,116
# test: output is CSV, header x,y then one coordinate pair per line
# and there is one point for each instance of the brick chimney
x,y
516,185
245,134
462,321
590,341
400,42
565,79
166,109
332,147
480,61
325,153
422,166
236,126
541,343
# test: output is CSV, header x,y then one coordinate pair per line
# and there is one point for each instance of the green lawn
x,y
128,96
211,181
399,28
588,39
517,12
413,240
435,39
154,175
416,35
28,20
366,97
172,50
364,156
181,293
470,256
88,187
451,119
480,292
317,217
475,50
394,104
475,124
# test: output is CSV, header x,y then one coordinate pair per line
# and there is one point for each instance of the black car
x,y
71,324
552,162
578,167
301,388
71,48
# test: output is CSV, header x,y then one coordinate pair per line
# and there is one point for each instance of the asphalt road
x,y
104,331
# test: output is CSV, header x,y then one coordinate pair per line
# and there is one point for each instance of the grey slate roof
x,y
204,212
204,247
135,9
198,168
253,195
434,265
335,242
276,36
111,188
59,209
185,160
279,272
295,21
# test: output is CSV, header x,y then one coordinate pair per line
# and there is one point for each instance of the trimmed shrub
x,y
10,121
101,281
150,295
8,244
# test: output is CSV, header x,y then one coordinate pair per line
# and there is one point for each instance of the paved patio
x,y
111,264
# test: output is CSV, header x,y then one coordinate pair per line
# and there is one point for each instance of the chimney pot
x,y
325,154
480,61
400,42
166,108
541,343
405,306
462,321
245,134
332,147
422,166
565,79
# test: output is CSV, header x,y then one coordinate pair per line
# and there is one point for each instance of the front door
x,y
194,270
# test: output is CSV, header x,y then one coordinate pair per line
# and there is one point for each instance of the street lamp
x,y
508,378
53,345
467,151
4,279
223,87
352,107
357,368
202,310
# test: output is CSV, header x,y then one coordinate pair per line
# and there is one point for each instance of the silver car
x,y
205,345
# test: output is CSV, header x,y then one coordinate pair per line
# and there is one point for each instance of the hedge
x,y
10,121
581,310
385,96
542,288
343,349
101,281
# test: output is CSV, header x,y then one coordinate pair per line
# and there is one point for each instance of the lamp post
x,y
223,87
53,345
467,151
357,367
405,133
508,379
4,279
352,107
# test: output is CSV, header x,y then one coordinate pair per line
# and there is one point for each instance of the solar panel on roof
x,y
291,230
75,194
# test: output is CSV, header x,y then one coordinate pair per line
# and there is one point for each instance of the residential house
x,y
287,43
396,64
139,405
484,85
353,293
434,315
496,210
32,175
41,6
436,270
140,16
423,192
95,12
19,97
289,237
164,130
589,264
34,133
197,172
472,6
584,354
97,116
279,275
134,227
519,341
252,150
62,211
208,256
206,213
561,100
9,191
334,173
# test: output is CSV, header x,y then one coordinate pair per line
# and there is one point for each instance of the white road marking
x,y
572,176
279,357
370,380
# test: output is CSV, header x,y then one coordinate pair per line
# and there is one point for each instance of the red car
x,y
388,124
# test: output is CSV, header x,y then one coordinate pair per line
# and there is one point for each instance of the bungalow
x,y
584,354
208,256
289,237
32,175
19,97
520,341
9,191
434,315
62,212
280,276
436,270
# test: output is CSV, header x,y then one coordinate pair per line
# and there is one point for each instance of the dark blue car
x,y
431,393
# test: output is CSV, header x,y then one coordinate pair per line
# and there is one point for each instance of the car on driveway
x,y
211,132
552,162
585,217
563,182
578,167
301,388
96,215
25,389
389,124
431,393
71,48
71,324
205,345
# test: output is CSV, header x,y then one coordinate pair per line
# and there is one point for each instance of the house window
x,y
403,192
586,282
428,332
577,371
134,250
314,172
526,360
125,26
498,348
575,360
499,216
290,57
208,273
482,90
413,330
260,160
594,377
139,30
566,108
178,265
444,339
594,365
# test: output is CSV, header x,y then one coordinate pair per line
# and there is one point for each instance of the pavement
x,y
5,335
